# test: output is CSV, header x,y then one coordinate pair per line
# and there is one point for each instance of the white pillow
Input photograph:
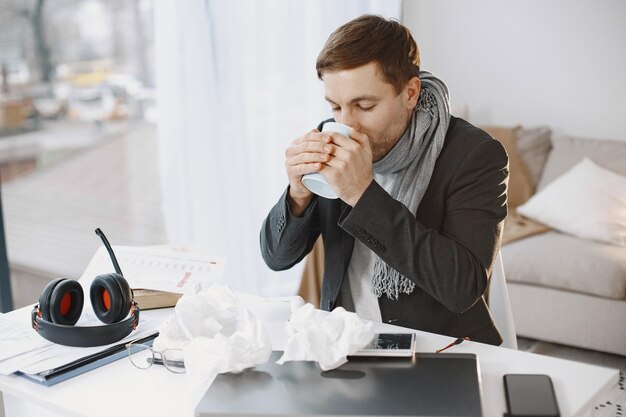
x,y
587,201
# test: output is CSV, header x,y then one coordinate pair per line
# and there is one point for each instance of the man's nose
x,y
349,118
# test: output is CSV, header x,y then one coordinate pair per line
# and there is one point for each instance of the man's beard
x,y
381,146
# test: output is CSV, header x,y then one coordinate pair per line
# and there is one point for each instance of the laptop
x,y
428,384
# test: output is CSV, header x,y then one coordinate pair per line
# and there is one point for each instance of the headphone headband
x,y
85,336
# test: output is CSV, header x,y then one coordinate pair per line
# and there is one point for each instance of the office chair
x,y
500,305
311,287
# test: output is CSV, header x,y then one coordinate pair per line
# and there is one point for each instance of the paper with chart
x,y
158,269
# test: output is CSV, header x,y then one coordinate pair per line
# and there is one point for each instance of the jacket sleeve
x,y
452,264
285,238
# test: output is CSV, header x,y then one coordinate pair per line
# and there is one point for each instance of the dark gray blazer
x,y
448,249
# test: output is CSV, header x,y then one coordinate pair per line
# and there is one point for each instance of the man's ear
x,y
413,87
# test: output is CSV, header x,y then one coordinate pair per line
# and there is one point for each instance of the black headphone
x,y
61,303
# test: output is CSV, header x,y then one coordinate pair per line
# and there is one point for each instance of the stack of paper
x,y
24,351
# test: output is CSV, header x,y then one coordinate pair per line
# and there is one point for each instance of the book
x,y
149,299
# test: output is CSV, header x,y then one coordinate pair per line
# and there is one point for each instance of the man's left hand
x,y
349,169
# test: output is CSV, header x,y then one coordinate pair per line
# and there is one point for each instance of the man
x,y
413,237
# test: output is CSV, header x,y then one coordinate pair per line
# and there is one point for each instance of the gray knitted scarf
x,y
410,164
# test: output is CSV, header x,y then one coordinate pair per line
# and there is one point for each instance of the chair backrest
x,y
311,285
500,305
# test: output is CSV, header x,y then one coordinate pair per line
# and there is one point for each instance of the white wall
x,y
560,63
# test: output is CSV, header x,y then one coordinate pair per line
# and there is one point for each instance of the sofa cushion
x,y
521,186
587,201
518,227
567,152
527,149
565,262
533,145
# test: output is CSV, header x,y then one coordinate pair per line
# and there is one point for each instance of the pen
x,y
456,342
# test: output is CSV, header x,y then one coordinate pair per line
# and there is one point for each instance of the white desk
x,y
120,389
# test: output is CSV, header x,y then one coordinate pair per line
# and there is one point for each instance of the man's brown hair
x,y
372,38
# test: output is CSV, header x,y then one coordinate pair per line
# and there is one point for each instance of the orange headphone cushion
x,y
110,297
61,302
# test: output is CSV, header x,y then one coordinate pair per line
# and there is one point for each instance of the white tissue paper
x,y
216,333
327,338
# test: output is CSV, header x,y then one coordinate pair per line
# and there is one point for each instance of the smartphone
x,y
390,344
530,396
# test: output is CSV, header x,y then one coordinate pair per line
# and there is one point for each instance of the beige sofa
x,y
562,288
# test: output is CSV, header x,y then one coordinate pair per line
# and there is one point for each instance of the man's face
x,y
362,99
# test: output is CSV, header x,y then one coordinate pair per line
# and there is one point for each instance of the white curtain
x,y
236,84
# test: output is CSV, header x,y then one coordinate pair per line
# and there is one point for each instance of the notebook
x,y
80,366
428,384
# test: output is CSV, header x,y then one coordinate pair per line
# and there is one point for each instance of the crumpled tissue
x,y
216,333
327,338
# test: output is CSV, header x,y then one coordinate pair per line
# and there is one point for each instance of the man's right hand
x,y
304,156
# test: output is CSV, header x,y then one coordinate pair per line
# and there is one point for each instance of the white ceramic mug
x,y
316,182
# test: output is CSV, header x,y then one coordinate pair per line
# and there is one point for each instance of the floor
x,y
571,353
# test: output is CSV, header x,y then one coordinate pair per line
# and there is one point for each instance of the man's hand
x,y
305,155
349,169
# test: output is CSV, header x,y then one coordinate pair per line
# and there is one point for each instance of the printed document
x,y
158,269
